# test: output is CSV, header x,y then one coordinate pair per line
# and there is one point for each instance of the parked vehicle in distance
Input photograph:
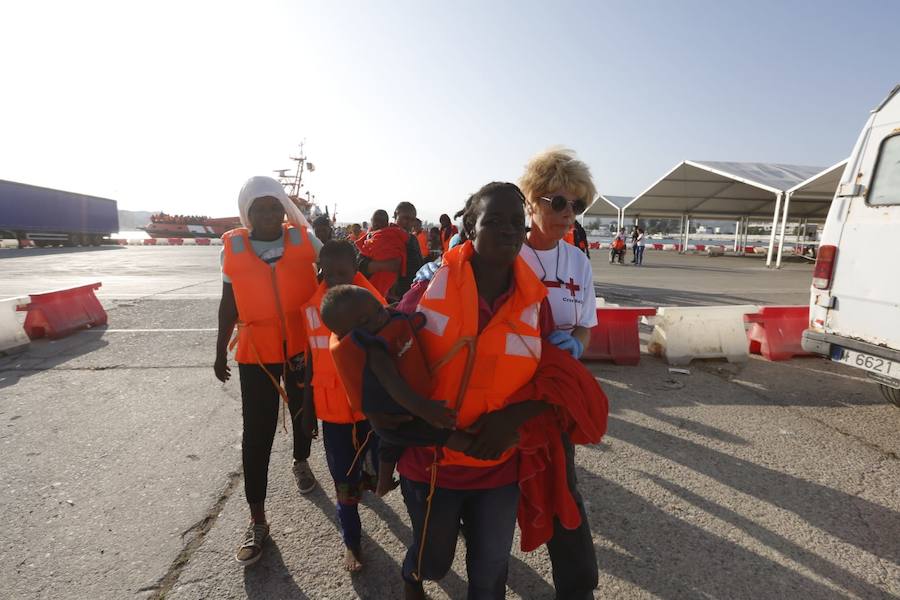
x,y
855,293
50,217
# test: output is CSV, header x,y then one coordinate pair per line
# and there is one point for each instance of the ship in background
x,y
163,225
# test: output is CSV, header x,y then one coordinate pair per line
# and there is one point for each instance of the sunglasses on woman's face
x,y
559,203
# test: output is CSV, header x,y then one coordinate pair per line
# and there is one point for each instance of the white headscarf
x,y
260,187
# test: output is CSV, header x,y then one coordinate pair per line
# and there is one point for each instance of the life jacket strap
x,y
428,502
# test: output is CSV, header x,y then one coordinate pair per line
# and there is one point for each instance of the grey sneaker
x,y
251,549
303,475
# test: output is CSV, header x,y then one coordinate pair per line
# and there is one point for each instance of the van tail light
x,y
824,267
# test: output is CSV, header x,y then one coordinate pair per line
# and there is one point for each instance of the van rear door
x,y
865,283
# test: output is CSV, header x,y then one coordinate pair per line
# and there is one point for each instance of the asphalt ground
x,y
121,457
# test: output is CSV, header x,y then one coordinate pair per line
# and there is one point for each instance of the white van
x,y
855,302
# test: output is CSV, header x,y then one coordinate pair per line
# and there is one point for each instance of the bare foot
x,y
352,560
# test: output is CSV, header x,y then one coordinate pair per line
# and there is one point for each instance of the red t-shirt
x,y
415,463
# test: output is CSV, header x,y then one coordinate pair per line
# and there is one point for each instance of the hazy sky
x,y
171,105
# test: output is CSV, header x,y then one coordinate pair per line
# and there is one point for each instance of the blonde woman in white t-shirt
x,y
557,186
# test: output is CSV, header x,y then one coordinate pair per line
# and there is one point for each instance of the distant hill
x,y
132,219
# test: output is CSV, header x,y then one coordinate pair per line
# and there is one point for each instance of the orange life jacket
x,y
570,236
269,300
329,394
476,373
399,336
423,243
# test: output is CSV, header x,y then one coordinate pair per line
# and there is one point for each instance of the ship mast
x,y
293,184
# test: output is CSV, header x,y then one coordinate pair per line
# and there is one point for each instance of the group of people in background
x,y
448,355
619,246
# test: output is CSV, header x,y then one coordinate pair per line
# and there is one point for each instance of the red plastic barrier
x,y
58,313
777,330
700,247
749,249
122,242
176,241
594,245
203,241
657,246
150,242
615,337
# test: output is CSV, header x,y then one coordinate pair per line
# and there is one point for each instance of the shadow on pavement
x,y
670,557
270,577
854,520
817,564
43,355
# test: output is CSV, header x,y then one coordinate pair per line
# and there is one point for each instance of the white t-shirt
x,y
566,272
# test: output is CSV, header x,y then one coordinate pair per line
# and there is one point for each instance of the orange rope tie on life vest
x,y
360,449
468,343
275,382
432,486
522,339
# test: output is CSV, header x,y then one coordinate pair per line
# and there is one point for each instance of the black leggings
x,y
259,405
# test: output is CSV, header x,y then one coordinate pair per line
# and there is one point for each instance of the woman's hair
x,y
557,169
473,204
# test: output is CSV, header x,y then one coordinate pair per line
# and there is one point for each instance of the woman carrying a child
x,y
557,187
484,301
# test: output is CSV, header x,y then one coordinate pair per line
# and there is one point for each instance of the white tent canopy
x,y
718,190
810,199
726,190
607,206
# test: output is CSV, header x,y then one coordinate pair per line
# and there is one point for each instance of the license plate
x,y
867,362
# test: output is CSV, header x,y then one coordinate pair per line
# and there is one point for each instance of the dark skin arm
x,y
228,316
496,432
434,412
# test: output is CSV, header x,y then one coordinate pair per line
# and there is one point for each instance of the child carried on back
x,y
384,371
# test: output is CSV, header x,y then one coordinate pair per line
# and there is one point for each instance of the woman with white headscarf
x,y
269,273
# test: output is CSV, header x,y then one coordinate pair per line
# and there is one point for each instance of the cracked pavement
x,y
121,458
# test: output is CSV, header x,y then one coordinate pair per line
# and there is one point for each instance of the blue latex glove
x,y
564,341
427,271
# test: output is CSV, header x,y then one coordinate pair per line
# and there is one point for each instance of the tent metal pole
x,y
737,230
745,231
687,233
784,216
774,227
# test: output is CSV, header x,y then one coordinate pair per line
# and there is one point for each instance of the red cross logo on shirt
x,y
571,286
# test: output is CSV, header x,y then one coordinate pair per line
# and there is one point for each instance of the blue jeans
x,y
639,254
487,519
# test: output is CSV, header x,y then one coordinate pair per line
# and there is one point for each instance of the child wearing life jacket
x,y
345,431
382,366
